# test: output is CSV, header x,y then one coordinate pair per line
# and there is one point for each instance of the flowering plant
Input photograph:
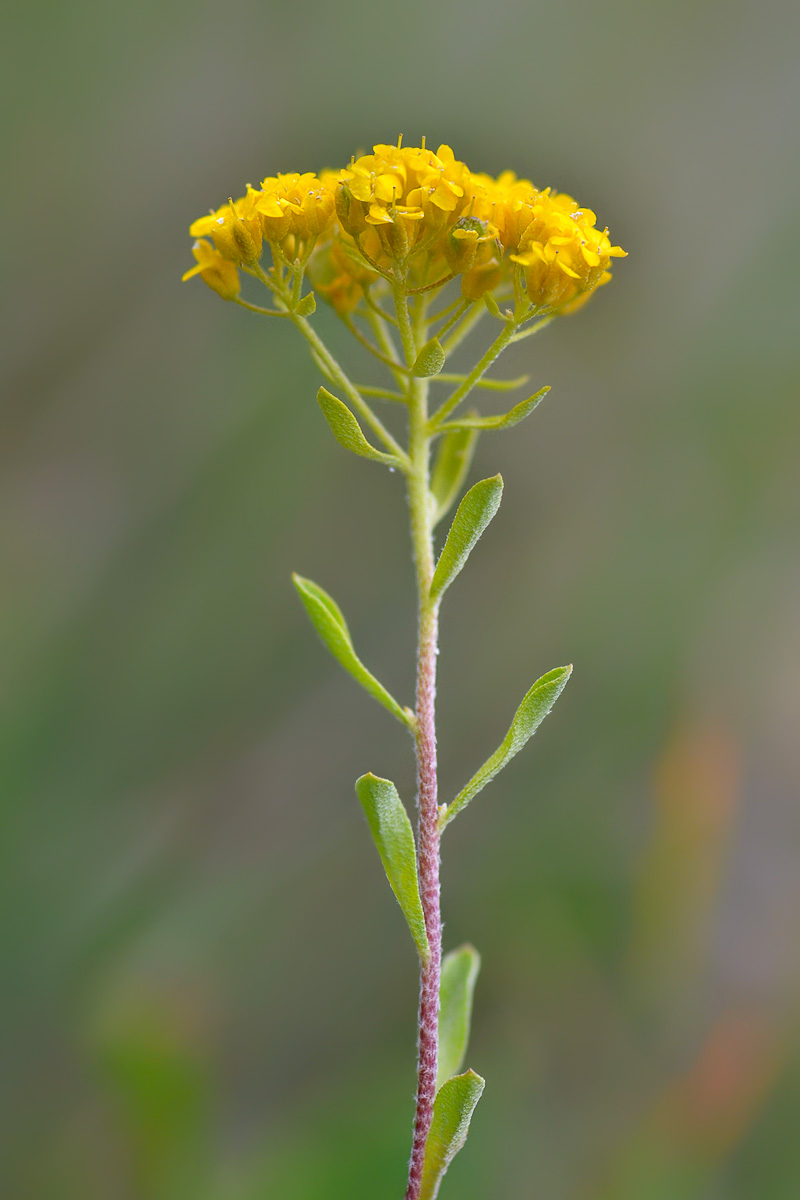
x,y
397,227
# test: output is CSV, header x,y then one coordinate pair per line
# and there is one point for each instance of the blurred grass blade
x,y
527,719
505,420
329,622
456,449
452,1112
347,431
459,973
391,829
472,516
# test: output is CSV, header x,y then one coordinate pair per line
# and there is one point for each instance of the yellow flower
x,y
400,198
235,229
420,217
219,273
296,207
564,255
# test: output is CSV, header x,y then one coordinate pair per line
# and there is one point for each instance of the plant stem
x,y
351,391
475,375
428,828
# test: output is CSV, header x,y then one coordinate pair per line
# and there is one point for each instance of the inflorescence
x,y
404,206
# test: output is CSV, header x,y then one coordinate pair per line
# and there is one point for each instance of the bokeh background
x,y
208,992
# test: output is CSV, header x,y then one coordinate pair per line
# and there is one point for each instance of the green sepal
x,y
472,516
391,830
347,431
452,1112
505,420
459,973
493,306
327,619
430,360
535,706
307,305
453,460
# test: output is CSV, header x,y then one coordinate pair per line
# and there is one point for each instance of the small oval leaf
x,y
391,830
430,360
452,1112
472,516
307,305
535,706
459,973
505,420
346,429
327,619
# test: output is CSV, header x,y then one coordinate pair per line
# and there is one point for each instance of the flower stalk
x,y
419,507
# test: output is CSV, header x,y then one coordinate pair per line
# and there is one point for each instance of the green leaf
x,y
527,719
505,420
452,1112
307,305
459,972
472,516
430,359
327,619
450,468
391,829
347,430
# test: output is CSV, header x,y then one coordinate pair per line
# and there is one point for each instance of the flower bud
x,y
481,279
219,273
461,244
351,212
394,237
247,239
236,236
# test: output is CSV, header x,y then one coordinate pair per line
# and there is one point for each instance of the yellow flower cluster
x,y
406,213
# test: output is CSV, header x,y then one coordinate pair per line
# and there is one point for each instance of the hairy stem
x,y
428,829
476,374
336,373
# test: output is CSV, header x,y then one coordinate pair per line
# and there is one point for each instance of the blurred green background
x,y
208,992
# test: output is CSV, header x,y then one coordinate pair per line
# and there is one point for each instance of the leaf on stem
x,y
452,1112
527,719
430,360
347,431
391,830
505,420
307,305
472,516
450,468
459,972
329,622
